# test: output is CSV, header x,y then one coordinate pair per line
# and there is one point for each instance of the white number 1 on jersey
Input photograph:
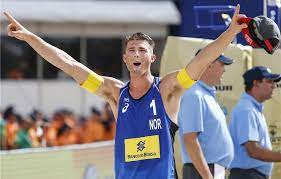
x,y
153,106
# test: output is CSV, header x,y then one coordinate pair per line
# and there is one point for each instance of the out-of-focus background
x,y
51,128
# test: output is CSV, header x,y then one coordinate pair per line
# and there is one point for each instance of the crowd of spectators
x,y
63,128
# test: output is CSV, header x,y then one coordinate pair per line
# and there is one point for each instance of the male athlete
x,y
145,109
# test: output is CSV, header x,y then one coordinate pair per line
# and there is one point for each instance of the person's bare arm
x,y
255,151
194,150
170,88
109,88
212,51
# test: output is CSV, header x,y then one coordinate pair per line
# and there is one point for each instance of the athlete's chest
x,y
145,113
142,127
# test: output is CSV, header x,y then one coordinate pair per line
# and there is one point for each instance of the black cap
x,y
222,58
262,32
258,73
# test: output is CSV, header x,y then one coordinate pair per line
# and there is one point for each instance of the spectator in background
x,y
2,133
67,135
11,127
36,130
23,139
62,129
92,130
253,155
56,123
108,123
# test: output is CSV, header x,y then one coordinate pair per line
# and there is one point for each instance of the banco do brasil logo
x,y
141,146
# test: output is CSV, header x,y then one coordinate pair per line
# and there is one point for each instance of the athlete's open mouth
x,y
137,63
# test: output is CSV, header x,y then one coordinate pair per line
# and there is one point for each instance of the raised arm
x,y
212,51
107,87
174,84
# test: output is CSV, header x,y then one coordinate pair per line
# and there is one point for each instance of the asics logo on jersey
x,y
124,109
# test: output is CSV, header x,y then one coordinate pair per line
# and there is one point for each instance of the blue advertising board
x,y
208,19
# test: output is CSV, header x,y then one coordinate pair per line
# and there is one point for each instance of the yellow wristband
x,y
184,79
93,82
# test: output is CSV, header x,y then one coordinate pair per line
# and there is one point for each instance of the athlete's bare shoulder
x,y
110,89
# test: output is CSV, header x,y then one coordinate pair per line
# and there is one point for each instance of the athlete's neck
x,y
139,85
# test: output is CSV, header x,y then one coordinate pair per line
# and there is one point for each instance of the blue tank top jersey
x,y
145,137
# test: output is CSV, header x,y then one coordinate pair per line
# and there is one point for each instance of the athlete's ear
x,y
124,58
153,58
